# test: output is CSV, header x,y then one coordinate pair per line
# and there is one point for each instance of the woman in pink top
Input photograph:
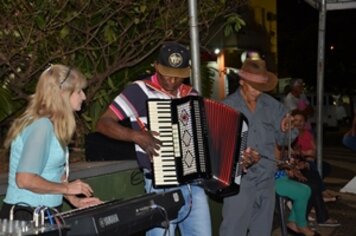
x,y
305,140
305,146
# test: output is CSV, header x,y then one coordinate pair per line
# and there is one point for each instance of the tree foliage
x,y
109,40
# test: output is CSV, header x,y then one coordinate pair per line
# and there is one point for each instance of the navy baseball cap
x,y
173,60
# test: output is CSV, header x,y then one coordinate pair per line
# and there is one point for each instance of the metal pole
x,y
320,85
194,45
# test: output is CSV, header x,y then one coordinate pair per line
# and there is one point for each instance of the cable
x,y
56,215
150,188
39,215
190,206
12,210
59,216
42,211
165,215
59,226
49,216
36,216
11,217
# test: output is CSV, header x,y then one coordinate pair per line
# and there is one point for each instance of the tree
x,y
109,40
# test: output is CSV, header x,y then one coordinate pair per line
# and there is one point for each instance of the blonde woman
x,y
38,139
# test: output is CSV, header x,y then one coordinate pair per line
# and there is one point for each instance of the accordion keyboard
x,y
160,120
243,146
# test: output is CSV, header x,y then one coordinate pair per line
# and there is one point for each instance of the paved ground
x,y
343,164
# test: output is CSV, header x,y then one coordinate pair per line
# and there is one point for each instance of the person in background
x,y
295,191
305,144
38,140
304,150
296,99
172,67
250,212
349,139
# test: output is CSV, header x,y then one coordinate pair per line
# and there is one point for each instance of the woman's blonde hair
x,y
52,100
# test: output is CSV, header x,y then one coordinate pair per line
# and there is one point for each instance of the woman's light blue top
x,y
36,150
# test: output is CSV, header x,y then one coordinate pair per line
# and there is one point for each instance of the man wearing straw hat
x,y
251,210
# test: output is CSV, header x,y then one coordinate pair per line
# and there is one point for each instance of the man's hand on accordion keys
x,y
146,140
249,157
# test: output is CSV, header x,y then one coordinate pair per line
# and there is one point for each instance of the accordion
x,y
201,141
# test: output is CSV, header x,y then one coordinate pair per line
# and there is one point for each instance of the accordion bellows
x,y
202,141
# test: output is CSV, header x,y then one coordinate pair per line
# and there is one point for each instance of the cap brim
x,y
265,87
173,72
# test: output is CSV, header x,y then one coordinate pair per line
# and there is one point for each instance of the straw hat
x,y
254,72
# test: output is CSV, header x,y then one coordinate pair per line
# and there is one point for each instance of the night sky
x,y
298,41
